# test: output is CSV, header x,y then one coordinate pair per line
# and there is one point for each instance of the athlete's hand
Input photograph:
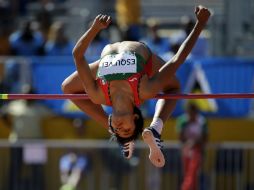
x,y
101,22
202,14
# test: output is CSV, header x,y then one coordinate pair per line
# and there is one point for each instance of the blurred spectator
x,y
193,132
128,19
44,19
3,51
169,54
201,47
6,24
58,43
158,44
244,43
10,69
4,41
26,41
94,50
72,165
26,118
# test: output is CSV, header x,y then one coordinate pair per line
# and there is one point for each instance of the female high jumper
x,y
126,75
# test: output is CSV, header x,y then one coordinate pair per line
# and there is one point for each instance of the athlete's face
x,y
123,124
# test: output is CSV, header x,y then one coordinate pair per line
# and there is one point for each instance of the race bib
x,y
125,62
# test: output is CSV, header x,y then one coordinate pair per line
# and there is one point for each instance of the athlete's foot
x,y
152,139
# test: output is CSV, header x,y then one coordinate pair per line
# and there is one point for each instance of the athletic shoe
x,y
127,149
153,139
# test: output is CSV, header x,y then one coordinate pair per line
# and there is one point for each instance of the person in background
x,y
58,43
160,45
170,54
72,166
193,132
95,48
44,17
128,19
5,30
201,48
4,50
26,41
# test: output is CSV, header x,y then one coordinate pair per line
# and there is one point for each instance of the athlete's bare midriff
x,y
119,47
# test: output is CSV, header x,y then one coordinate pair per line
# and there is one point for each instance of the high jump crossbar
x,y
159,96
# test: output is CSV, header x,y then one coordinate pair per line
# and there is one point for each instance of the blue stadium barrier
x,y
228,75
224,75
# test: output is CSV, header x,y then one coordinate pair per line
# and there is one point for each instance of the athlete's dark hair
x,y
139,124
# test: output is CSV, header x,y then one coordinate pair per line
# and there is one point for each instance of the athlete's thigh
x,y
157,63
171,83
73,83
151,86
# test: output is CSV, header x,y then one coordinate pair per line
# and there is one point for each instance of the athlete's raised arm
x,y
160,79
169,69
99,23
202,15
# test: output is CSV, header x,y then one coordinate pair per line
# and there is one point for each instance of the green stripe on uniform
x,y
3,96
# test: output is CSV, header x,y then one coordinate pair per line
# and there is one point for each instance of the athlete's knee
x,y
66,87
173,86
72,86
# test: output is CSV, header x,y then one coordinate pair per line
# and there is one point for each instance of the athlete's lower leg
x,y
152,134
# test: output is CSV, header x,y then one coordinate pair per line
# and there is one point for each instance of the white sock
x,y
157,124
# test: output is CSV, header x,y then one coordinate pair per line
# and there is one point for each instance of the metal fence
x,y
32,165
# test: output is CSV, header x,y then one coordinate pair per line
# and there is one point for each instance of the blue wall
x,y
224,75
